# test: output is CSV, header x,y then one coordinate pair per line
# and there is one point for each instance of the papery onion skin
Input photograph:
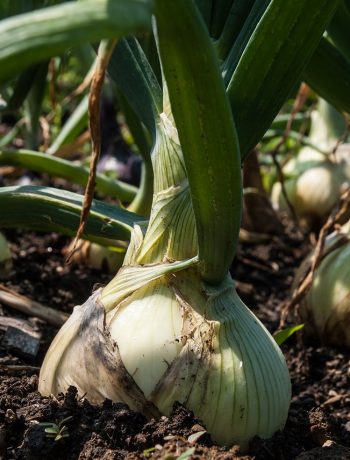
x,y
197,345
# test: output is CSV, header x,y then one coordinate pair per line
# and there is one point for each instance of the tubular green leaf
x,y
59,167
273,60
328,73
38,35
220,11
206,131
53,210
234,23
130,69
239,44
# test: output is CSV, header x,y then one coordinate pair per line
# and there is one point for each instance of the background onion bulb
x,y
326,307
96,256
313,192
314,181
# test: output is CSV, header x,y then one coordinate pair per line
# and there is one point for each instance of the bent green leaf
x,y
58,167
52,210
32,37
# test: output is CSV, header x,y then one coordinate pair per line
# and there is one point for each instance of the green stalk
x,y
59,167
53,210
38,35
208,140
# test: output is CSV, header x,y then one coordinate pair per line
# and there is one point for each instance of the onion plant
x,y
170,325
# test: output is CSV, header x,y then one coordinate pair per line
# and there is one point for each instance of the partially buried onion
x,y
325,310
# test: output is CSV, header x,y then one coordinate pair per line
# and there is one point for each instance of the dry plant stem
x,y
13,368
104,56
30,307
82,87
8,321
246,236
280,178
67,150
45,130
341,139
298,104
318,256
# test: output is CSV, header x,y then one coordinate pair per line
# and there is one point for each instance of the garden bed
x,y
320,409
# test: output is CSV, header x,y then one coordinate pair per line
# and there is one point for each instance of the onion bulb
x,y
157,333
325,310
315,181
173,339
313,193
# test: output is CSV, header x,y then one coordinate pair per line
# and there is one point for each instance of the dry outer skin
x,y
320,410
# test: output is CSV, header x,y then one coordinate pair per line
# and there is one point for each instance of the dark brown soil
x,y
318,426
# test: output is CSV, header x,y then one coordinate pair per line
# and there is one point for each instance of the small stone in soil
x,y
22,341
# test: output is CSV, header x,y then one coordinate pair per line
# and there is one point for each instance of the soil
x,y
318,425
